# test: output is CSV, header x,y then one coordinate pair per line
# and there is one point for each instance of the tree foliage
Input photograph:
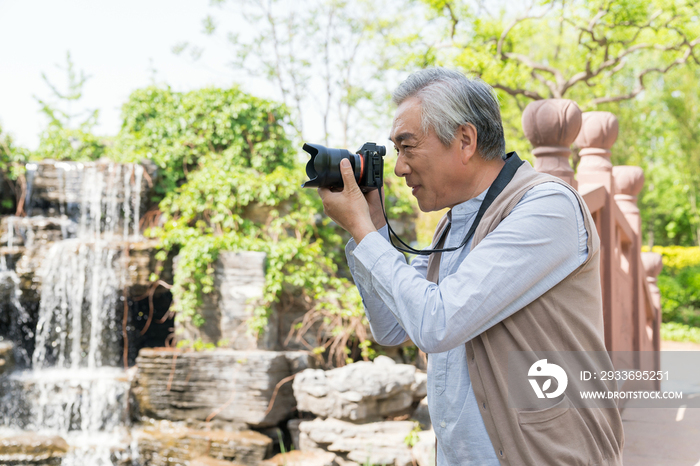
x,y
230,181
321,60
69,133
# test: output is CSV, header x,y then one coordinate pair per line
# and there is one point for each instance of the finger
x,y
348,175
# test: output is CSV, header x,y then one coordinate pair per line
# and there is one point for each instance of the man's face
x,y
431,169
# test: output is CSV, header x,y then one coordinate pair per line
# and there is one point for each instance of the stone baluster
x,y
551,126
652,266
629,181
598,134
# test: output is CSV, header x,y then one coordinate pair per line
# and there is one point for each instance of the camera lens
x,y
323,169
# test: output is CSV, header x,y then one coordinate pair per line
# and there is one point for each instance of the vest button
x,y
501,452
484,405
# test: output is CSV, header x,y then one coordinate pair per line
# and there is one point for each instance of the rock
x,y
293,428
422,414
302,458
420,386
424,450
300,360
239,279
358,391
374,443
32,449
7,361
55,189
237,385
209,461
141,263
176,446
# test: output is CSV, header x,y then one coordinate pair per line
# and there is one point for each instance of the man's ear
x,y
467,136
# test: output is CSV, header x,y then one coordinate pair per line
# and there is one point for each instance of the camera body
x,y
323,169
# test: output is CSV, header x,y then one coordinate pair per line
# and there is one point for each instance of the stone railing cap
x,y
552,123
652,263
598,129
628,179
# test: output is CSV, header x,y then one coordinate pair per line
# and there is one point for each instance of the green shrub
x,y
678,257
675,331
679,284
680,296
229,180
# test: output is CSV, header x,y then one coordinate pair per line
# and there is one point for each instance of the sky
x,y
118,44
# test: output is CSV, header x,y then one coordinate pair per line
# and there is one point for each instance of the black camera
x,y
323,169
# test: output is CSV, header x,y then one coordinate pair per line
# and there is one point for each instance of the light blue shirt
x,y
541,242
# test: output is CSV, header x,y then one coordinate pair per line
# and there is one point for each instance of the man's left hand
x,y
348,208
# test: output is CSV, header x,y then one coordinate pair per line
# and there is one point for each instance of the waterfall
x,y
76,387
82,277
77,313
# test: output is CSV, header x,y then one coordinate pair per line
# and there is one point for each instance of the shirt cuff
x,y
371,249
350,247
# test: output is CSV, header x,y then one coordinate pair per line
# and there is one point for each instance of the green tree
x,y
229,180
320,59
12,183
69,133
625,56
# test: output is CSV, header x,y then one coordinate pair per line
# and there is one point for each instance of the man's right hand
x,y
375,208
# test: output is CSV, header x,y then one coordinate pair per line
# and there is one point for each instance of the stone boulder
x,y
373,443
424,450
234,385
169,445
239,279
7,361
359,391
420,386
302,458
209,461
422,414
32,450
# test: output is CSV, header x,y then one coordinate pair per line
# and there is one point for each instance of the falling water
x,y
76,388
82,277
10,233
30,172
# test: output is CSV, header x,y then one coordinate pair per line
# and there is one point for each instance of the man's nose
x,y
401,169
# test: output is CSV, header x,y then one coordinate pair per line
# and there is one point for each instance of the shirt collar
x,y
467,208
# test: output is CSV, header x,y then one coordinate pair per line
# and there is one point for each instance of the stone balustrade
x,y
631,310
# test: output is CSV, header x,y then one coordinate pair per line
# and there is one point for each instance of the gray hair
x,y
450,99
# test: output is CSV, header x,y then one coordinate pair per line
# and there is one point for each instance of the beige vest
x,y
568,317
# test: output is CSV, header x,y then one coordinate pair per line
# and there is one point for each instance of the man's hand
x,y
375,208
348,208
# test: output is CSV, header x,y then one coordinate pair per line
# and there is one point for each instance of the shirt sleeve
x,y
536,246
384,326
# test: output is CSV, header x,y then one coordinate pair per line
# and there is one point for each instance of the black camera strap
x,y
504,177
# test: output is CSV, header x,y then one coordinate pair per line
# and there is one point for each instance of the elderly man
x,y
527,279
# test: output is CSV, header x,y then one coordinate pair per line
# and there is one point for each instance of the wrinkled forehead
x,y
407,121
